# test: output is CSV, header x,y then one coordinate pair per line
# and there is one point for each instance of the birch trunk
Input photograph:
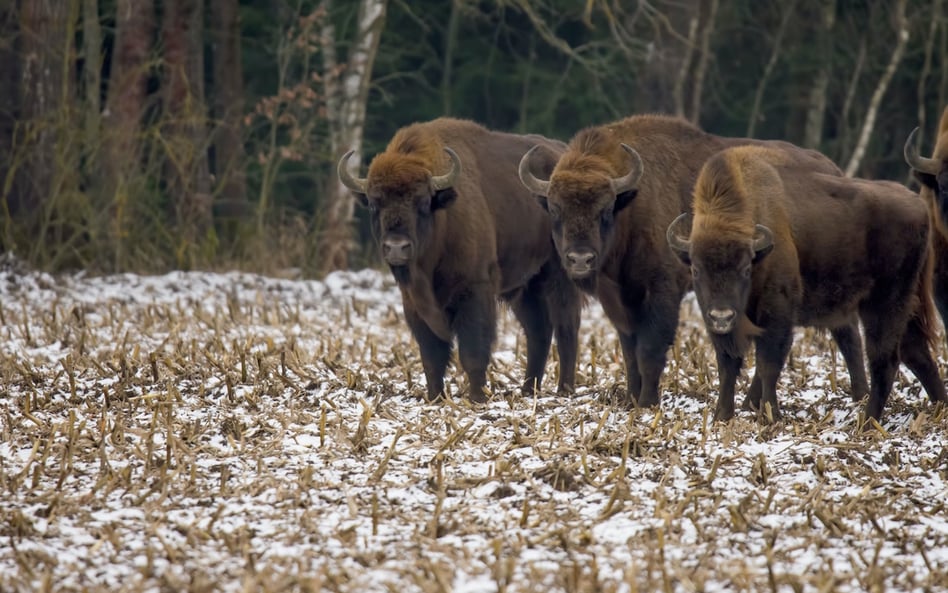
x,y
816,110
876,100
347,91
229,107
704,57
769,68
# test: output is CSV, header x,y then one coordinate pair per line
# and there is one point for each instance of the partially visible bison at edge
x,y
932,173
773,245
457,230
611,197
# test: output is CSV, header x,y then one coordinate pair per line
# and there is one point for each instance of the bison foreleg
x,y
850,346
729,367
475,323
564,303
435,354
632,374
918,358
772,350
531,311
651,351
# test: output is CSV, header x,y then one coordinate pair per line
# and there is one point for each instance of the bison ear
x,y
542,201
926,179
624,199
443,198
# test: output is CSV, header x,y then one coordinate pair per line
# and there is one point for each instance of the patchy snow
x,y
231,432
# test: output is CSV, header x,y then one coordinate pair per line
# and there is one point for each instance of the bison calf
x,y
773,245
457,230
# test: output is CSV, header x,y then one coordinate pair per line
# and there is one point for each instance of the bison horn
x,y
763,238
631,179
439,182
537,186
354,183
916,161
674,237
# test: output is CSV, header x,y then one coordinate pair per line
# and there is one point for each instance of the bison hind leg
x,y
918,358
530,309
475,323
435,354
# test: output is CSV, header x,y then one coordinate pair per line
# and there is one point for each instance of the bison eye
x,y
746,271
694,272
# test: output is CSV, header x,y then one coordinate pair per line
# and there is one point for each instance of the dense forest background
x,y
146,135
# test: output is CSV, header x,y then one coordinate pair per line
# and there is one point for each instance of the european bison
x,y
932,173
774,245
457,229
611,197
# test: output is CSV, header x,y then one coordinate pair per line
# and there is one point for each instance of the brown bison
x,y
457,229
774,245
932,173
611,198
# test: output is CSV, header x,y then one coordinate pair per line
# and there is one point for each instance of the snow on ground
x,y
231,432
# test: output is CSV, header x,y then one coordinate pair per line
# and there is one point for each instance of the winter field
x,y
229,432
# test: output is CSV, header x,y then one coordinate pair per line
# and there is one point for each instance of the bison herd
x,y
636,213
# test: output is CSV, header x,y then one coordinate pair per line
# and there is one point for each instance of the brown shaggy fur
x,y
819,272
637,279
485,237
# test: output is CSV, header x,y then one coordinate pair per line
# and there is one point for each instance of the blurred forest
x,y
145,135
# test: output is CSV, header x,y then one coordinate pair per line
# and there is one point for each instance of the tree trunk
x,y
678,90
874,103
9,109
450,44
92,81
704,57
845,129
816,103
185,117
788,11
347,90
229,108
935,19
125,105
45,63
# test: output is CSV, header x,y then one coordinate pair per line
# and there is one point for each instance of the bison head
x,y
583,206
932,173
402,195
721,269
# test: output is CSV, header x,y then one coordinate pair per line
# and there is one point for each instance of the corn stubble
x,y
277,443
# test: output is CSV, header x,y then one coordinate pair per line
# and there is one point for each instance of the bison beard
x,y
458,240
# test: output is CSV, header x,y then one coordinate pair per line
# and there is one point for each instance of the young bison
x,y
457,230
773,245
611,198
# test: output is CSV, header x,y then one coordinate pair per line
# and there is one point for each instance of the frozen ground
x,y
230,432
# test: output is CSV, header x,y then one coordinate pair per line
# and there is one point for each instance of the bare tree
x,y
902,28
185,115
228,106
816,104
934,20
91,75
9,77
347,91
787,10
704,57
46,69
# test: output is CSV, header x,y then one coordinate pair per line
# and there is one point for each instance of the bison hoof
x,y
565,389
768,413
723,414
648,401
530,387
478,395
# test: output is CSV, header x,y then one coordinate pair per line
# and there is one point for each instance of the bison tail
x,y
923,318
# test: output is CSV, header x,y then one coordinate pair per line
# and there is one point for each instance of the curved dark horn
x,y
674,238
537,186
631,179
763,237
447,180
342,169
916,161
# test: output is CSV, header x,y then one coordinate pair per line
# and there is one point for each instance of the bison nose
x,y
581,260
396,250
722,320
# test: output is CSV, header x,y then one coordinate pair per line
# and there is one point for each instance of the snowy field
x,y
229,432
